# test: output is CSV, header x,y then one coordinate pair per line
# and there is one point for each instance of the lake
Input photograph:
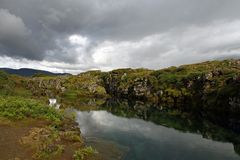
x,y
138,139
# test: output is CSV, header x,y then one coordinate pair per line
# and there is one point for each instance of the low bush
x,y
20,108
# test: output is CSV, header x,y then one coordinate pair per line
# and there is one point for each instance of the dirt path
x,y
12,147
10,136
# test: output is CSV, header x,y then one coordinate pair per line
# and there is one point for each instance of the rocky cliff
x,y
205,83
88,84
211,88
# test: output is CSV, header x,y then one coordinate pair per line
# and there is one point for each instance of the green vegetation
x,y
72,136
13,85
16,108
87,84
45,141
84,153
175,86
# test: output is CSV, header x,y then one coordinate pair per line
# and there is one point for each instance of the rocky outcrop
x,y
210,89
46,87
177,85
85,84
118,85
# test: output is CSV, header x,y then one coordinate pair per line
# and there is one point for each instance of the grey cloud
x,y
15,37
42,28
217,40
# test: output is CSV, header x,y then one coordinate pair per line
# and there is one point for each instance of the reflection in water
x,y
149,141
149,133
185,122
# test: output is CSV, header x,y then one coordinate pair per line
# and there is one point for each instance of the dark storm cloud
x,y
40,29
15,37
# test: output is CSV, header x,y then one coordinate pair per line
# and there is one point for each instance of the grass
x,y
17,108
71,136
84,153
13,85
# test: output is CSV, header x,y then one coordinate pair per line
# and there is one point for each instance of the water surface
x,y
145,140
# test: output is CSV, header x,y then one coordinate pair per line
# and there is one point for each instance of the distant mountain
x,y
27,72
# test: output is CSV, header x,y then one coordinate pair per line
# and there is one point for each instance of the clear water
x,y
145,140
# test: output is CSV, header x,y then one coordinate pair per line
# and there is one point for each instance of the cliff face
x,y
206,82
84,85
211,88
46,86
128,83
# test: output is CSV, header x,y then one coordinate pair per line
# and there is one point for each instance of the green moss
x,y
84,153
72,136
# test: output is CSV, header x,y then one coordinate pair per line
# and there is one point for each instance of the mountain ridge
x,y
28,72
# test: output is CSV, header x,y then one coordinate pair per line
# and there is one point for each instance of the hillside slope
x,y
29,72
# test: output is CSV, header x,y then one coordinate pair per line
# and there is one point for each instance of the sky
x,y
78,35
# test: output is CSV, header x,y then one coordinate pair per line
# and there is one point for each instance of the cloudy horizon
x,y
74,36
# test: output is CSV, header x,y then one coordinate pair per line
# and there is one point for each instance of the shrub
x,y
20,108
82,153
